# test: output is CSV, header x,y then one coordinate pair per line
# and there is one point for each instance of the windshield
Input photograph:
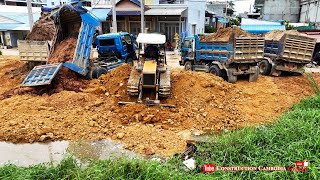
x,y
187,43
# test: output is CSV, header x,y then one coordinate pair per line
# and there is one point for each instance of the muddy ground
x,y
205,103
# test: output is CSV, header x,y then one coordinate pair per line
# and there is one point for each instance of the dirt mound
x,y
113,83
276,35
63,51
224,34
90,110
43,29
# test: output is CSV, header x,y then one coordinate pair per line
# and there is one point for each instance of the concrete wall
x,y
196,16
216,8
310,12
274,10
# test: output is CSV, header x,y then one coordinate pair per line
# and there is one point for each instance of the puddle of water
x,y
104,149
31,154
53,152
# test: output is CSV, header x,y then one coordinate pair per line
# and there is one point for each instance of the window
x,y
187,43
107,42
52,3
126,39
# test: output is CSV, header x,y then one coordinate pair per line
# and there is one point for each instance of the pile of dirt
x,y
276,35
224,35
43,29
113,83
90,110
63,51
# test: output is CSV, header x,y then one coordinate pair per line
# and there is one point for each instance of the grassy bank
x,y
295,137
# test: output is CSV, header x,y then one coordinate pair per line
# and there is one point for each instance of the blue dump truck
x,y
73,20
120,45
238,56
289,54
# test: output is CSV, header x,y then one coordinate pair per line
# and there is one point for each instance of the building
x,y
219,8
164,16
14,23
169,17
35,3
310,12
272,10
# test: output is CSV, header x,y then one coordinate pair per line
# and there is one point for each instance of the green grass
x,y
295,137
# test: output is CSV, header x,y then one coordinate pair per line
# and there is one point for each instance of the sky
x,y
242,6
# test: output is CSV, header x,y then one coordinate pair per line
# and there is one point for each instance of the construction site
x,y
75,106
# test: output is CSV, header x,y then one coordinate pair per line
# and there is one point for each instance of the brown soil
x,y
204,102
63,51
42,30
276,35
224,35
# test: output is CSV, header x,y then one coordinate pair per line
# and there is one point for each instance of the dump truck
x,y
151,73
290,54
120,45
238,56
73,20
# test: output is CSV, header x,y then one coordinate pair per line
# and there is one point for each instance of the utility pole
x,y
225,14
29,6
114,17
142,16
315,21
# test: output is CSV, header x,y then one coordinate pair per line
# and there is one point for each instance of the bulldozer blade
x,y
148,104
124,103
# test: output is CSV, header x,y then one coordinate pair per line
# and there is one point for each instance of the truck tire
x,y
97,72
130,61
215,70
188,66
264,67
253,77
231,78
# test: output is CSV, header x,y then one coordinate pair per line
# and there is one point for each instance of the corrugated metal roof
x,y
164,11
246,21
20,21
261,28
124,13
101,13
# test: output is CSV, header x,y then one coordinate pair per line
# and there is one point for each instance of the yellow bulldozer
x,y
151,75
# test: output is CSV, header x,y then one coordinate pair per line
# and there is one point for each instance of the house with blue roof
x,y
165,16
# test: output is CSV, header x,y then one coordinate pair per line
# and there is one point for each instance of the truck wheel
x,y
215,70
253,77
231,78
264,67
130,61
188,66
97,72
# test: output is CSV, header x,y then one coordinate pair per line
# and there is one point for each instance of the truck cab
x,y
187,51
120,45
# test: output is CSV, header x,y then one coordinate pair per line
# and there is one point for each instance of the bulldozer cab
x,y
152,48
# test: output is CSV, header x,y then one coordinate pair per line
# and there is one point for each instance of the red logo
x,y
208,168
299,163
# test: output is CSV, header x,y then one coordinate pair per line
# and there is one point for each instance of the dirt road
x,y
204,103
